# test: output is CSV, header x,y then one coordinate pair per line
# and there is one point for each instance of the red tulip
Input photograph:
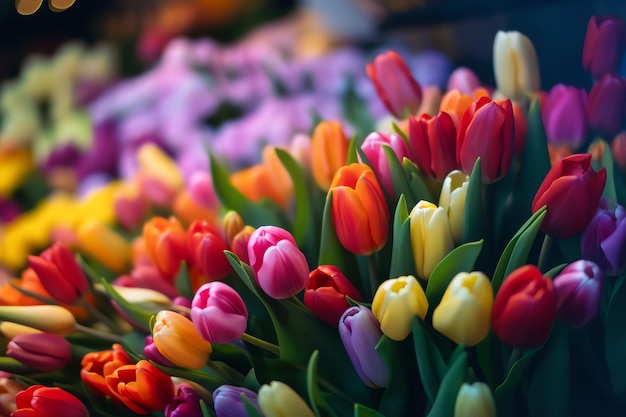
x,y
571,191
207,250
606,104
40,401
524,308
433,144
604,44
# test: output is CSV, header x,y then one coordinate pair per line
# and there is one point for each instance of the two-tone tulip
x,y
278,399
166,244
360,214
578,290
186,403
564,116
431,237
515,65
604,239
604,44
571,191
433,144
206,247
464,313
606,104
60,274
474,400
227,401
524,308
360,332
487,131
452,199
325,293
329,152
394,84
456,103
96,366
219,313
42,351
41,401
373,150
396,302
178,340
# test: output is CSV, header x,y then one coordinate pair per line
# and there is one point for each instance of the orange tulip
x,y
329,152
454,103
166,244
188,210
280,184
97,365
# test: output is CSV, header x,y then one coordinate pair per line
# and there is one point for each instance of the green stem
x,y
98,315
371,263
219,371
98,333
515,354
36,296
544,254
270,347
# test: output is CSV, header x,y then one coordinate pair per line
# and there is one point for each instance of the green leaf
x,y
400,183
473,211
555,271
138,315
450,386
206,411
419,189
250,408
608,163
615,339
363,411
183,282
505,392
318,404
402,256
14,366
352,155
400,215
400,132
303,222
430,363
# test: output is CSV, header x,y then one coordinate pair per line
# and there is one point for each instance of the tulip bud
x,y
233,224
47,318
464,80
42,351
155,163
280,268
166,244
452,199
395,304
606,104
219,313
41,401
130,207
558,153
201,191
571,191
227,401
474,400
329,152
300,149
360,214
106,246
578,290
464,313
372,147
11,330
60,274
431,237
239,244
564,116
278,399
186,403
604,44
524,308
325,293
618,148
207,250
604,239
433,144
515,65
359,332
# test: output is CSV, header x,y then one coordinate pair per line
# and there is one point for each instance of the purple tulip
x,y
227,401
219,313
604,44
606,104
564,116
360,332
604,240
372,147
578,289
186,403
42,351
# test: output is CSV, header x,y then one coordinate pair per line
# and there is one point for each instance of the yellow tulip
x,y
15,165
106,246
452,199
464,313
515,65
474,400
155,163
395,304
431,237
10,329
47,318
278,399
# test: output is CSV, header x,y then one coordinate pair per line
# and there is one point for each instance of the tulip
x,y
329,152
455,104
571,191
360,214
487,131
130,207
42,351
9,388
604,44
396,302
279,180
278,399
166,244
280,268
431,237
207,250
151,352
106,246
618,148
233,224
148,277
142,387
300,148
187,210
474,400
372,147
520,126
47,318
219,313
606,104
40,401
201,190
178,340
464,312
564,116
227,401
155,163
394,84
98,365
452,199
524,308
359,332
239,244
604,239
60,274
464,80
433,144
558,153
578,290
11,330
186,403
325,293
515,65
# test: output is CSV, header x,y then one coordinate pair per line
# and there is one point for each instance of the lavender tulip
x,y
604,239
578,289
359,332
564,116
228,403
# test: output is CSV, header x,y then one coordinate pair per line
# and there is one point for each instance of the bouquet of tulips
x,y
467,259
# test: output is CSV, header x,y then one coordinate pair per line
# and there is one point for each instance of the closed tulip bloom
x,y
104,244
396,302
464,80
618,148
606,104
360,214
60,274
464,313
524,308
557,153
279,179
395,85
227,401
130,207
233,224
47,318
40,401
186,403
578,291
515,65
329,152
142,387
431,237
487,130
207,247
179,342
325,293
433,144
454,103
474,400
97,365
151,352
604,44
372,147
239,244
360,332
452,199
571,191
604,239
564,116
42,351
166,244
280,268
219,313
278,399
